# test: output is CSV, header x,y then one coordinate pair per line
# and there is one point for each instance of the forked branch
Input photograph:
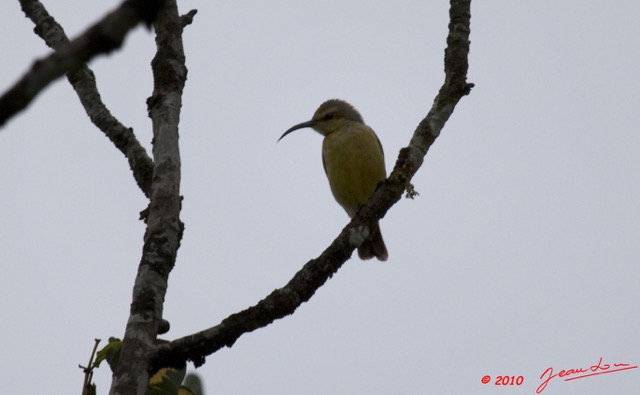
x,y
284,301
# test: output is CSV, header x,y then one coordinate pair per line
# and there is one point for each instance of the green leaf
x,y
166,382
193,384
110,353
185,391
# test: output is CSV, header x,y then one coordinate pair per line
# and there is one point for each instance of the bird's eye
x,y
328,116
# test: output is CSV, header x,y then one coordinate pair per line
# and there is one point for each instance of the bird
x,y
353,160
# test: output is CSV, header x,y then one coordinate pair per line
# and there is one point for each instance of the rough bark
x,y
164,228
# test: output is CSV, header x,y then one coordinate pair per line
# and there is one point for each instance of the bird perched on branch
x,y
353,161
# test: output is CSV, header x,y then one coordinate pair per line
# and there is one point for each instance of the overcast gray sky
x,y
521,252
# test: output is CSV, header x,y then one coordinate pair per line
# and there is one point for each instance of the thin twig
x,y
88,371
187,18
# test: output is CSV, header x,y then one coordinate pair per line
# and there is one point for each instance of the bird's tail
x,y
374,245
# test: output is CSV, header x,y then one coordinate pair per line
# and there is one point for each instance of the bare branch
x,y
315,273
84,83
103,37
187,18
164,228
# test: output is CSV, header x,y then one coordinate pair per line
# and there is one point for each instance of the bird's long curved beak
x,y
308,124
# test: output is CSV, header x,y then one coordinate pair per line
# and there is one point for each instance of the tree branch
x,y
84,83
103,37
315,273
164,228
187,18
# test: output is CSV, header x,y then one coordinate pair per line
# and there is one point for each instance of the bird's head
x,y
330,116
